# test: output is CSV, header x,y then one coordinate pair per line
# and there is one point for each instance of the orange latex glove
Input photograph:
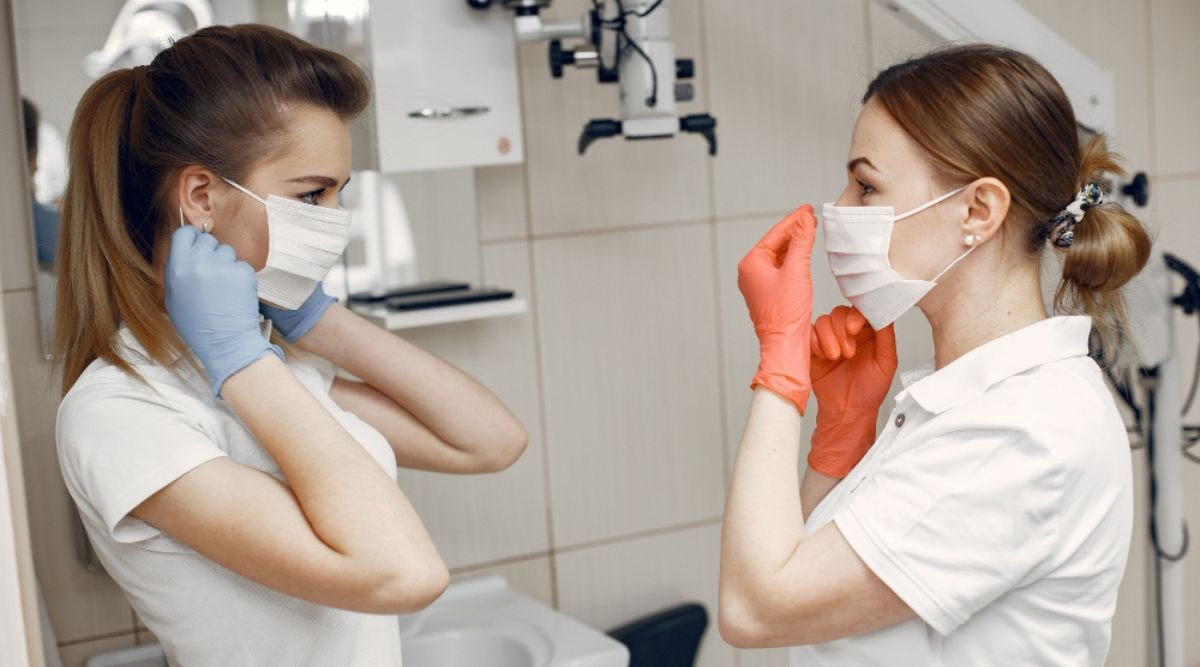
x,y
852,370
776,282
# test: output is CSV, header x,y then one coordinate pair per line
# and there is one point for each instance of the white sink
x,y
482,621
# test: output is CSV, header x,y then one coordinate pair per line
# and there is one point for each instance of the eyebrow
x,y
855,162
324,181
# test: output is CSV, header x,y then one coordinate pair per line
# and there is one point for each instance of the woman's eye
x,y
311,197
866,189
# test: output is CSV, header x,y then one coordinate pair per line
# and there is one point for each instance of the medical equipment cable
x,y
619,25
648,12
1193,438
1187,404
1189,301
1144,419
1151,375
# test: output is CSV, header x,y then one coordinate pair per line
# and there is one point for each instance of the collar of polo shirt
x,y
973,373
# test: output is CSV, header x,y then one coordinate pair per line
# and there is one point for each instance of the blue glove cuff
x,y
251,355
310,314
293,324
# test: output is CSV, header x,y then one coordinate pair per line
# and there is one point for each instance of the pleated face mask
x,y
857,239
305,241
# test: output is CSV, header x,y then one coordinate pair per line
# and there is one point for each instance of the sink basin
x,y
467,649
478,622
481,621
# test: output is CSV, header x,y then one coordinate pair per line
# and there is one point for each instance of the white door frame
x,y
20,628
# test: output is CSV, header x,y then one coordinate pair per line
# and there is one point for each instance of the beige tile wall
x,y
630,369
626,323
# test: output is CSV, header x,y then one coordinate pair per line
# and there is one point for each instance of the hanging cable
x,y
648,11
619,26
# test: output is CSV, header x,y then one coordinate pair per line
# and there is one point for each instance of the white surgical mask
x,y
857,239
305,241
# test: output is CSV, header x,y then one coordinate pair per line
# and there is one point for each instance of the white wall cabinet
x,y
446,87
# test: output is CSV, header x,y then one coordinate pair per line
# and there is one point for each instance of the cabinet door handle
x,y
440,113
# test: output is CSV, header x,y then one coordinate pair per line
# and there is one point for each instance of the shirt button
x,y
900,420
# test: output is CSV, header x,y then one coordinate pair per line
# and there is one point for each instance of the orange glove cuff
x,y
791,388
839,442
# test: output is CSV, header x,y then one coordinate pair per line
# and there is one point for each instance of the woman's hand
x,y
776,282
852,370
212,301
293,324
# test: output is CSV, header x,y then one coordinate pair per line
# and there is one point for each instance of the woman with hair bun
x,y
990,521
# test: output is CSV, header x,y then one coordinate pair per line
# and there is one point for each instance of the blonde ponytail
x,y
103,278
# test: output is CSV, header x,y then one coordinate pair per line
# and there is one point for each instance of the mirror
x,y
407,228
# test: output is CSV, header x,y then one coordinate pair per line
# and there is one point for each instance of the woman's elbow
x,y
409,591
738,624
515,445
505,451
755,614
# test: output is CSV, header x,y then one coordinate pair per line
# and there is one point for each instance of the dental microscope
x,y
627,42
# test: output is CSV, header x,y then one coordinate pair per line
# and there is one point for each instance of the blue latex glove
x,y
212,301
295,323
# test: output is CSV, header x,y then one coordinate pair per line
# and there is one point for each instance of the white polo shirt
x,y
120,441
998,504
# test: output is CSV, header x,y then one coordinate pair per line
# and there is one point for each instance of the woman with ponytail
x,y
990,521
240,492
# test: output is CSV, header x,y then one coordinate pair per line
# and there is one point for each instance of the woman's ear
x,y
194,193
988,200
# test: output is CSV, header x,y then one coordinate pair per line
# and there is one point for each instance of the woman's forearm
x,y
451,404
813,489
351,503
764,516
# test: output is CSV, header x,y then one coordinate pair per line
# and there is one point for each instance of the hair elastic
x,y
1063,234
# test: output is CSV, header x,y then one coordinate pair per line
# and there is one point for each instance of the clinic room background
x,y
628,364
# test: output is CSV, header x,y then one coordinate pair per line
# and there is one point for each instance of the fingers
x,y
836,335
885,346
207,241
855,321
844,339
246,269
829,341
799,225
775,240
226,253
803,233
182,240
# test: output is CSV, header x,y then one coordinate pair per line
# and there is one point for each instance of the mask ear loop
x,y
935,202
960,258
243,189
926,205
207,226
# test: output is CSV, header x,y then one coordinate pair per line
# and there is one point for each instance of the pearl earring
x,y
971,239
207,226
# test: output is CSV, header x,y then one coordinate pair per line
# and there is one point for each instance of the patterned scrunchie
x,y
1063,225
